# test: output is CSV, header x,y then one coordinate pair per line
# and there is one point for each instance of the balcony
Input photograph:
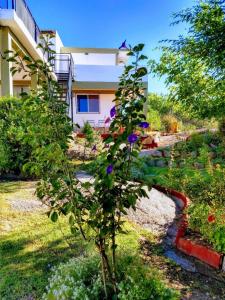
x,y
23,12
98,77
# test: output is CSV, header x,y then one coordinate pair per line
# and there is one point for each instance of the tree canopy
x,y
194,64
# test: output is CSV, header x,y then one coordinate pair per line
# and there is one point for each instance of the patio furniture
x,y
101,126
101,123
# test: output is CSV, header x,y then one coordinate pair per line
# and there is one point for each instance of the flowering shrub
x,y
80,279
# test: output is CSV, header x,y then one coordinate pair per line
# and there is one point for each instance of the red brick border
x,y
211,257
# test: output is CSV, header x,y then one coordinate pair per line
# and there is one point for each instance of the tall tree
x,y
194,64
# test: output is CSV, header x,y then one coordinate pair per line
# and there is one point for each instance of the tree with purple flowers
x,y
99,206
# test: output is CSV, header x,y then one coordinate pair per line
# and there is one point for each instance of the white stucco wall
x,y
105,104
58,43
94,58
97,73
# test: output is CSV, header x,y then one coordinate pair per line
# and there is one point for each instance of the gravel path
x,y
155,213
25,201
26,205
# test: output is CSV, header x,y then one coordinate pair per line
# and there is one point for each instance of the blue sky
x,y
106,23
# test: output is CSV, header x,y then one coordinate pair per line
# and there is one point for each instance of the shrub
x,y
89,133
170,123
27,129
12,152
154,119
76,280
80,279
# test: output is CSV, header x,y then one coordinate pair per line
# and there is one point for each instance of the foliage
x,y
160,106
34,129
76,280
194,64
159,103
204,186
89,133
154,119
201,215
89,136
12,153
80,279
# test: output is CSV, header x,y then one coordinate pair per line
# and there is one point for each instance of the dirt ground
x,y
192,285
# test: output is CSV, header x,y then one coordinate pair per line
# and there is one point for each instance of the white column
x,y
6,75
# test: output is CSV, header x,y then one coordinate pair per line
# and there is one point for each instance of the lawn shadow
x,y
24,272
8,186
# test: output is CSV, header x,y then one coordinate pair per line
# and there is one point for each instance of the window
x,y
88,103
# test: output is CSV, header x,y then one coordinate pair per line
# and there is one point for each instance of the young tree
x,y
95,206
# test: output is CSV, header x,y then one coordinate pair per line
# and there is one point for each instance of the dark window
x,y
88,103
82,103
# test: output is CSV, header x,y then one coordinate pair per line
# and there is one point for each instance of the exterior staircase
x,y
64,70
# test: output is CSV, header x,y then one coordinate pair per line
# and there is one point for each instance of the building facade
x,y
89,76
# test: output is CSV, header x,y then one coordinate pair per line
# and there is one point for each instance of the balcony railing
x,y
63,65
24,14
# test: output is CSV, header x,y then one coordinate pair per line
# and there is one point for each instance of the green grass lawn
x,y
30,244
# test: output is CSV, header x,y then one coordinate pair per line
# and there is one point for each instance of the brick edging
x,y
203,253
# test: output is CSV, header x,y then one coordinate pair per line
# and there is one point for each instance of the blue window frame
x,y
88,103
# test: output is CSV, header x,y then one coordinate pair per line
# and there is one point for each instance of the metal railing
x,y
24,14
63,64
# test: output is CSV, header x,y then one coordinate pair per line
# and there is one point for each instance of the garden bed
x,y
189,242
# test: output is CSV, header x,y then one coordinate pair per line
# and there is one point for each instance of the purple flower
x,y
113,112
144,125
107,120
109,169
94,148
132,138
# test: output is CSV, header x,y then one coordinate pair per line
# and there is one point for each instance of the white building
x,y
89,75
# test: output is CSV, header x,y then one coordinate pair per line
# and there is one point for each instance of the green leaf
x,y
54,216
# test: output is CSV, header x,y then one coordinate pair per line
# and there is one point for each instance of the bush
x,y
12,152
154,119
170,123
80,279
88,131
27,131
